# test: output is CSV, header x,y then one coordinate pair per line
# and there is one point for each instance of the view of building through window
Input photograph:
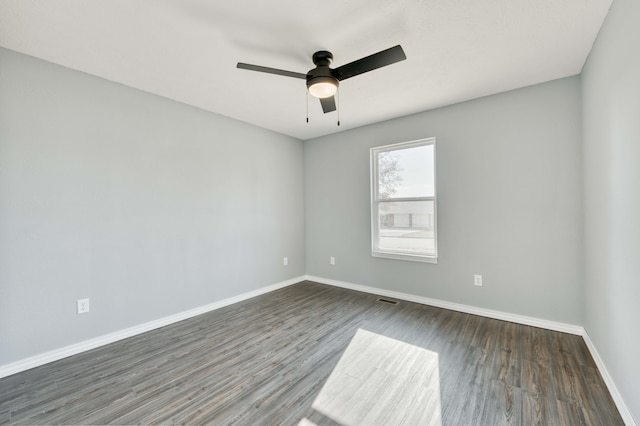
x,y
403,200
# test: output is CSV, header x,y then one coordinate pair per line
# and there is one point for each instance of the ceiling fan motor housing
x,y
321,73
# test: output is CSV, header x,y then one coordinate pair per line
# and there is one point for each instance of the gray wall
x,y
611,108
509,203
144,205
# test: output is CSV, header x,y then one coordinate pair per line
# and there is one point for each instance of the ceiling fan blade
x,y
271,70
328,104
370,63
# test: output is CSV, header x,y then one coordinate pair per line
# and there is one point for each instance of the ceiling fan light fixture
x,y
323,81
323,87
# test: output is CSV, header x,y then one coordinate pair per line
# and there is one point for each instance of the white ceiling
x,y
187,50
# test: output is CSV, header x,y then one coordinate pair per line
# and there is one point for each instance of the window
x,y
403,201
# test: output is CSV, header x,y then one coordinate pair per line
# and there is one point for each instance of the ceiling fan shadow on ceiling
x,y
323,81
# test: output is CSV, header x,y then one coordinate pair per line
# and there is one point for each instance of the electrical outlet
x,y
477,280
332,260
83,306
285,261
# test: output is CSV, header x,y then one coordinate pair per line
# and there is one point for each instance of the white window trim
x,y
375,200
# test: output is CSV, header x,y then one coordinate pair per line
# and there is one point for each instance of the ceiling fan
x,y
323,81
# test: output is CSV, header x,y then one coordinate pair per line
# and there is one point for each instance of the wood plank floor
x,y
314,354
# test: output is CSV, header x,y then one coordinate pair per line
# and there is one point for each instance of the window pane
x,y
405,173
407,226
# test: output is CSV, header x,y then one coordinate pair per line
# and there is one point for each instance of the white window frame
x,y
376,200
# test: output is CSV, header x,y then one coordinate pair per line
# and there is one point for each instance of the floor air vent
x,y
390,302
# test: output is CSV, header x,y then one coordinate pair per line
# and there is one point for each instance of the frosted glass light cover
x,y
323,89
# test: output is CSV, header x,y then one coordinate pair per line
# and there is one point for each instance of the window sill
x,y
409,257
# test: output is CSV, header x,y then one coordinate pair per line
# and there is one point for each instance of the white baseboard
x,y
54,355
613,390
505,316
519,319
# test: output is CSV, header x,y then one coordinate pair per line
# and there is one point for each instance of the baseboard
x,y
47,357
519,319
504,316
613,390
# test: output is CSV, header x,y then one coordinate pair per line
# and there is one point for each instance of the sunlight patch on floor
x,y
383,381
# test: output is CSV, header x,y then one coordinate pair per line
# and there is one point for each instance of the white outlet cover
x,y
477,280
83,306
285,261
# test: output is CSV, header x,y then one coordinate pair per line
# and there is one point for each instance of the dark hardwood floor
x,y
315,354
